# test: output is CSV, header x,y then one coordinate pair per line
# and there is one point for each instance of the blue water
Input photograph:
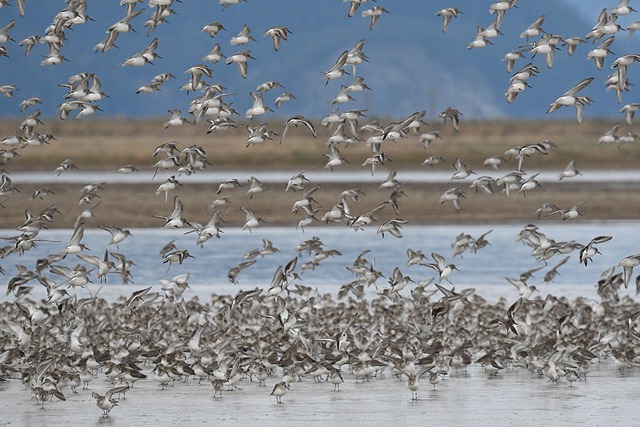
x,y
484,270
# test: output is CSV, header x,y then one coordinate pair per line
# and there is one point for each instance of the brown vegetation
x,y
108,144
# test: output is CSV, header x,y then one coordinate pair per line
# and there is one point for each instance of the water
x,y
515,396
625,177
465,399
484,270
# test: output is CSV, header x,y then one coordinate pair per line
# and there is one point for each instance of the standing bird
x,y
107,402
279,390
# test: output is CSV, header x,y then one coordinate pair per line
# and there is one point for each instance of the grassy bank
x,y
108,144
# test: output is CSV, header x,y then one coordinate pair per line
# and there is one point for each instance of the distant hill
x,y
412,65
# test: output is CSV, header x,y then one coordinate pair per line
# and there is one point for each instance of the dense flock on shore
x,y
285,332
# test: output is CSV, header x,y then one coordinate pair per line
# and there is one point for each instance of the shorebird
x,y
588,251
360,221
393,227
336,71
335,159
210,229
374,13
552,272
240,59
447,14
524,290
175,120
535,29
255,186
570,98
4,32
451,114
627,264
453,195
296,182
629,110
215,55
571,213
213,28
233,273
305,201
176,256
285,97
75,246
168,185
127,169
529,184
251,220
107,402
433,160
480,242
461,170
376,159
413,379
621,64
118,234
515,87
104,264
243,37
610,135
479,41
279,390
175,220
66,165
441,266
622,9
259,135
295,121
511,57
570,171
277,34
571,43
358,85
228,185
599,53
605,25
258,108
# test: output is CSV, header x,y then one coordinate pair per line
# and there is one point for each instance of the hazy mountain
x,y
412,64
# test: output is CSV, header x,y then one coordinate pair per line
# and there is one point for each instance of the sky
x,y
412,65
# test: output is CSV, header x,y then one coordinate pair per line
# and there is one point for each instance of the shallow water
x,y
504,257
516,397
628,176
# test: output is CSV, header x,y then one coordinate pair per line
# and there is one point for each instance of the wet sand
x,y
516,397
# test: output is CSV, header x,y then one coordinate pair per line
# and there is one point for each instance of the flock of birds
x,y
64,342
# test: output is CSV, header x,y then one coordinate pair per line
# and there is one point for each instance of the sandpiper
x,y
279,390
